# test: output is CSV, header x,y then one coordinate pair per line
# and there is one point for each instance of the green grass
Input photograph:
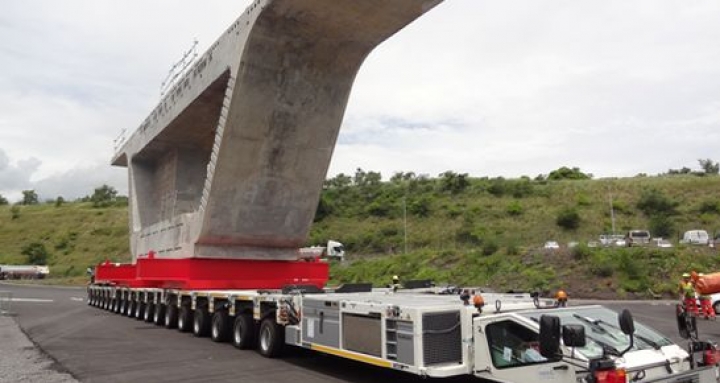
x,y
470,237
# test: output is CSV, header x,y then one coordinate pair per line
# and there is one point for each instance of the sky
x,y
488,88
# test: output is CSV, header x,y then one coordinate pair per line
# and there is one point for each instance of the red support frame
x,y
209,274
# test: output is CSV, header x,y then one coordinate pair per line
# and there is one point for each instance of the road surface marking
x,y
76,299
36,300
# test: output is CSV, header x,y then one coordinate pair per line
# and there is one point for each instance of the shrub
x,y
36,253
15,212
709,207
514,209
662,226
653,202
568,219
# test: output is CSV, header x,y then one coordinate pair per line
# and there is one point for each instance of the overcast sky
x,y
489,88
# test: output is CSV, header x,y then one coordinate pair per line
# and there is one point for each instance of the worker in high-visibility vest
x,y
561,298
687,294
706,309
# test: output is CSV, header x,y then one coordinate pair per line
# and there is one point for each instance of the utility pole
x,y
405,222
612,212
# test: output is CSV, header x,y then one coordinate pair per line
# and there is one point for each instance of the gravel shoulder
x,y
22,361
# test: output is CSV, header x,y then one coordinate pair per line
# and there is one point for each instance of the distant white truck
x,y
696,237
23,271
333,250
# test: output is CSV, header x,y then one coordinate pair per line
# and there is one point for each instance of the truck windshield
x,y
603,333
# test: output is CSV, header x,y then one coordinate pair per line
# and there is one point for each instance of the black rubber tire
x,y
125,307
159,315
271,338
716,307
201,323
220,329
171,316
244,334
131,309
140,311
185,319
149,312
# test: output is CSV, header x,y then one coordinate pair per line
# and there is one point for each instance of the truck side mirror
x,y
550,336
627,324
574,335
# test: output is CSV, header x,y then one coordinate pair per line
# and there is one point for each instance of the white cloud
x,y
486,87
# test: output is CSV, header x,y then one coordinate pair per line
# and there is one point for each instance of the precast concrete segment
x,y
231,163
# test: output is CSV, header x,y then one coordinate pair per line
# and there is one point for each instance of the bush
x,y
36,253
514,209
15,212
662,226
568,219
653,202
490,247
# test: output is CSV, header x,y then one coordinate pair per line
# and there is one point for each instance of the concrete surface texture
x,y
231,162
21,361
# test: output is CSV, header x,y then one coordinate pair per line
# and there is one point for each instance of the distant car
x,y
608,240
637,238
715,298
696,237
663,243
552,245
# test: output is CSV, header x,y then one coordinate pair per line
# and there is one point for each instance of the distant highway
x,y
98,346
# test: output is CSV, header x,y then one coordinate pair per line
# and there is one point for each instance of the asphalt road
x,y
98,346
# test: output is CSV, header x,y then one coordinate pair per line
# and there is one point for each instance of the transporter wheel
x,y
148,312
171,316
201,322
140,310
159,314
132,309
272,338
185,319
89,299
220,330
118,304
125,307
716,307
243,334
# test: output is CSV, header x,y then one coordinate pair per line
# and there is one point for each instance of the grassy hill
x,y
455,229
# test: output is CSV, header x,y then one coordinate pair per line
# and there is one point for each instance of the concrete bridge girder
x,y
231,163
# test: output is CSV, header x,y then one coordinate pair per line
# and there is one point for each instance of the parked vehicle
x,y
23,272
333,250
551,245
662,243
637,238
612,240
696,237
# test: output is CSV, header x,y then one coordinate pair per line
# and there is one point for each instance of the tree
x,y
709,166
29,197
59,201
454,183
103,196
36,253
3,200
565,173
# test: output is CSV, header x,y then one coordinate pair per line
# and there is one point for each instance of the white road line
x,y
76,299
35,300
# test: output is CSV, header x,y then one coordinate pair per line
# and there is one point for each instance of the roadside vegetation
x,y
450,228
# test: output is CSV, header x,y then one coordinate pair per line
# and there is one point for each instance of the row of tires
x,y
242,330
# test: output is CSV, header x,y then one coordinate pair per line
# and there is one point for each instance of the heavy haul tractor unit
x,y
498,337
